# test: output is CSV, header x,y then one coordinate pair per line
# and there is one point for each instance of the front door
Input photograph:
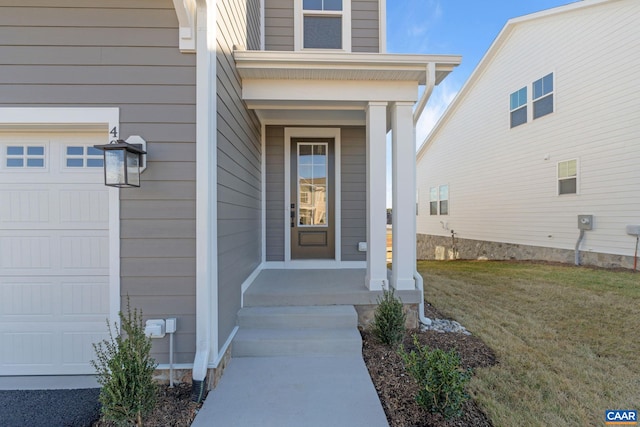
x,y
312,198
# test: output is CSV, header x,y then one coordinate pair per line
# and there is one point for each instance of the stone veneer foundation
x,y
441,248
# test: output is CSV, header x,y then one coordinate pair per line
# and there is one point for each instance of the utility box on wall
x,y
585,222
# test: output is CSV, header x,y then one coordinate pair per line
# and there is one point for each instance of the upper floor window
x,y
323,24
568,177
518,107
542,100
543,96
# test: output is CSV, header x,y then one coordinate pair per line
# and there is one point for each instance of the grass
x,y
567,338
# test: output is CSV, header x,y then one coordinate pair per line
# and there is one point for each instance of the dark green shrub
x,y
125,371
441,379
389,318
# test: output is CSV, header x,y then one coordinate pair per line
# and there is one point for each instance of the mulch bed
x,y
397,389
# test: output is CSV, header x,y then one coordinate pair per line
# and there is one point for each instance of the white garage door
x,y
54,252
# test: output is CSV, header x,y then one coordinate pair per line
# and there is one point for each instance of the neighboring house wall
x,y
503,184
365,33
239,171
353,197
103,54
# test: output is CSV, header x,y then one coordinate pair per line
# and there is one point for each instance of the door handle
x,y
293,215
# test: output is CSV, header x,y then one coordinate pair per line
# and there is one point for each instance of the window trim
x,y
298,26
577,178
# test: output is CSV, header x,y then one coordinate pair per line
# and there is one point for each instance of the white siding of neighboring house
x,y
502,181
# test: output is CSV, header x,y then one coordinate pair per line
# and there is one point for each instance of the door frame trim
x,y
309,132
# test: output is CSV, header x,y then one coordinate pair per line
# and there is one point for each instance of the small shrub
x,y
125,371
441,379
389,319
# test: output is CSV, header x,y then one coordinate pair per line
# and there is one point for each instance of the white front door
x,y
54,252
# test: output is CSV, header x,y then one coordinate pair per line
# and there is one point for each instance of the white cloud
x,y
440,99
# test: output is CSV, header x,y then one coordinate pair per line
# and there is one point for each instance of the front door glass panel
x,y
313,173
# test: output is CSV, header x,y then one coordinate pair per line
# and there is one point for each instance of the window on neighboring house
x,y
543,96
444,200
439,200
433,201
518,107
568,177
325,24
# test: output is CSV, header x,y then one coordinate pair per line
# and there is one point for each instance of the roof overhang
x,y
317,87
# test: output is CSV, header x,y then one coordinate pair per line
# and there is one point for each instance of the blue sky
x,y
456,27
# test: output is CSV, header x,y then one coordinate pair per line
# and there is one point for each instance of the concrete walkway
x,y
293,391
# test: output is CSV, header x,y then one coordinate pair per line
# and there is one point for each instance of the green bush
x,y
125,371
441,379
389,318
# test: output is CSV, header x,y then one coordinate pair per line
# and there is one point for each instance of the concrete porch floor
x,y
316,287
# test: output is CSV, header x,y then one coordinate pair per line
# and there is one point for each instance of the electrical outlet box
x,y
585,222
362,246
154,328
633,230
171,325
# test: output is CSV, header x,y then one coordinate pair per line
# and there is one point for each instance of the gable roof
x,y
492,52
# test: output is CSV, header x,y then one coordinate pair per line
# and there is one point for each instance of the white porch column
x,y
404,195
376,196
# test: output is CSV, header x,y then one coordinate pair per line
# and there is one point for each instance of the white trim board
x,y
290,133
103,119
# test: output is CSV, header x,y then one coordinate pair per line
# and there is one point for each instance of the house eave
x,y
322,65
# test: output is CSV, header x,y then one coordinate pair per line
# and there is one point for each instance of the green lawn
x,y
567,338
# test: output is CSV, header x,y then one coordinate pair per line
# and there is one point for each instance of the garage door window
x,y
22,156
78,156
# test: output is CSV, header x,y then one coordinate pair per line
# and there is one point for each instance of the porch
x,y
324,287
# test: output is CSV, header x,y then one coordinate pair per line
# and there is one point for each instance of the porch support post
x,y
376,276
404,195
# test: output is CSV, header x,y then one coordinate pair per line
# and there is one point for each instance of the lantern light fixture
x,y
122,163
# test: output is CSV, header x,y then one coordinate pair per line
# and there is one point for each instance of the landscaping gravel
x,y
49,408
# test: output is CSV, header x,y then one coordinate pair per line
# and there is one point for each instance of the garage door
x,y
54,252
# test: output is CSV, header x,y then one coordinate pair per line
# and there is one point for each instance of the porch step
x,y
297,331
291,317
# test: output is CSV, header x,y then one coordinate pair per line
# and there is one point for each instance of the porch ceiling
x,y
317,87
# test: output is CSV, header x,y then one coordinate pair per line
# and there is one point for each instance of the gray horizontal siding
x,y
122,53
365,26
275,193
278,16
239,168
353,198
254,24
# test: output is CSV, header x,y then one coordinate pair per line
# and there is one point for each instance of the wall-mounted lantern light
x,y
122,163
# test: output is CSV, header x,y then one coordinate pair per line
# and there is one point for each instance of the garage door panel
x,y
24,206
20,300
89,254
86,206
26,253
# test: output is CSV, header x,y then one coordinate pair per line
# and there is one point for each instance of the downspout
x,y
430,83
206,256
577,260
420,285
